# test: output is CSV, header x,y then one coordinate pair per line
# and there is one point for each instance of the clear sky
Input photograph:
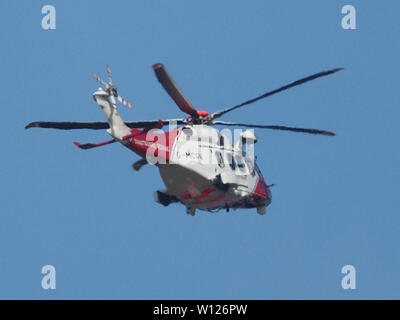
x,y
91,216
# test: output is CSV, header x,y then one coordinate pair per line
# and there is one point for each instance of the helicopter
x,y
200,167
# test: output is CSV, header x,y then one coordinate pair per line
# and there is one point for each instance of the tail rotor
x,y
109,75
112,90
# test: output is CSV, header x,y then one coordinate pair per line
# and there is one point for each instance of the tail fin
x,y
118,129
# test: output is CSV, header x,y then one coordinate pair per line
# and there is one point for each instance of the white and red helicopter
x,y
230,178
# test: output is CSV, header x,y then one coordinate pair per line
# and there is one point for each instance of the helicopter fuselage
x,y
202,169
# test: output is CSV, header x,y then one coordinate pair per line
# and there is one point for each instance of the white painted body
x,y
194,167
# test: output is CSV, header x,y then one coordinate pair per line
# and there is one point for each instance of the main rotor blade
x,y
219,113
172,89
67,125
99,125
273,127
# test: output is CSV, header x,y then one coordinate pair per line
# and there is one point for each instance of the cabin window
x,y
221,140
188,133
230,159
220,159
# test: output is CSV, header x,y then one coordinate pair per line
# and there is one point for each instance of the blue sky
x,y
91,216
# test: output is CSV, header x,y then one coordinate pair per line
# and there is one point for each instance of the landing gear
x,y
191,211
261,210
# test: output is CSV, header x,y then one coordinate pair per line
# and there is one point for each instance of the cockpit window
x,y
258,170
241,164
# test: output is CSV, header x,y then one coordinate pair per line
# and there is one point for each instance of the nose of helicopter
x,y
262,192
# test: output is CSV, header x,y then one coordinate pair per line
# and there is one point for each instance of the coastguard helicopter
x,y
200,167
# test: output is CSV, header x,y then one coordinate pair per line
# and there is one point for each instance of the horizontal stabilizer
x,y
139,164
93,145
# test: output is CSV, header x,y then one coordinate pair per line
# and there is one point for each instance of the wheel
x,y
261,210
191,211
